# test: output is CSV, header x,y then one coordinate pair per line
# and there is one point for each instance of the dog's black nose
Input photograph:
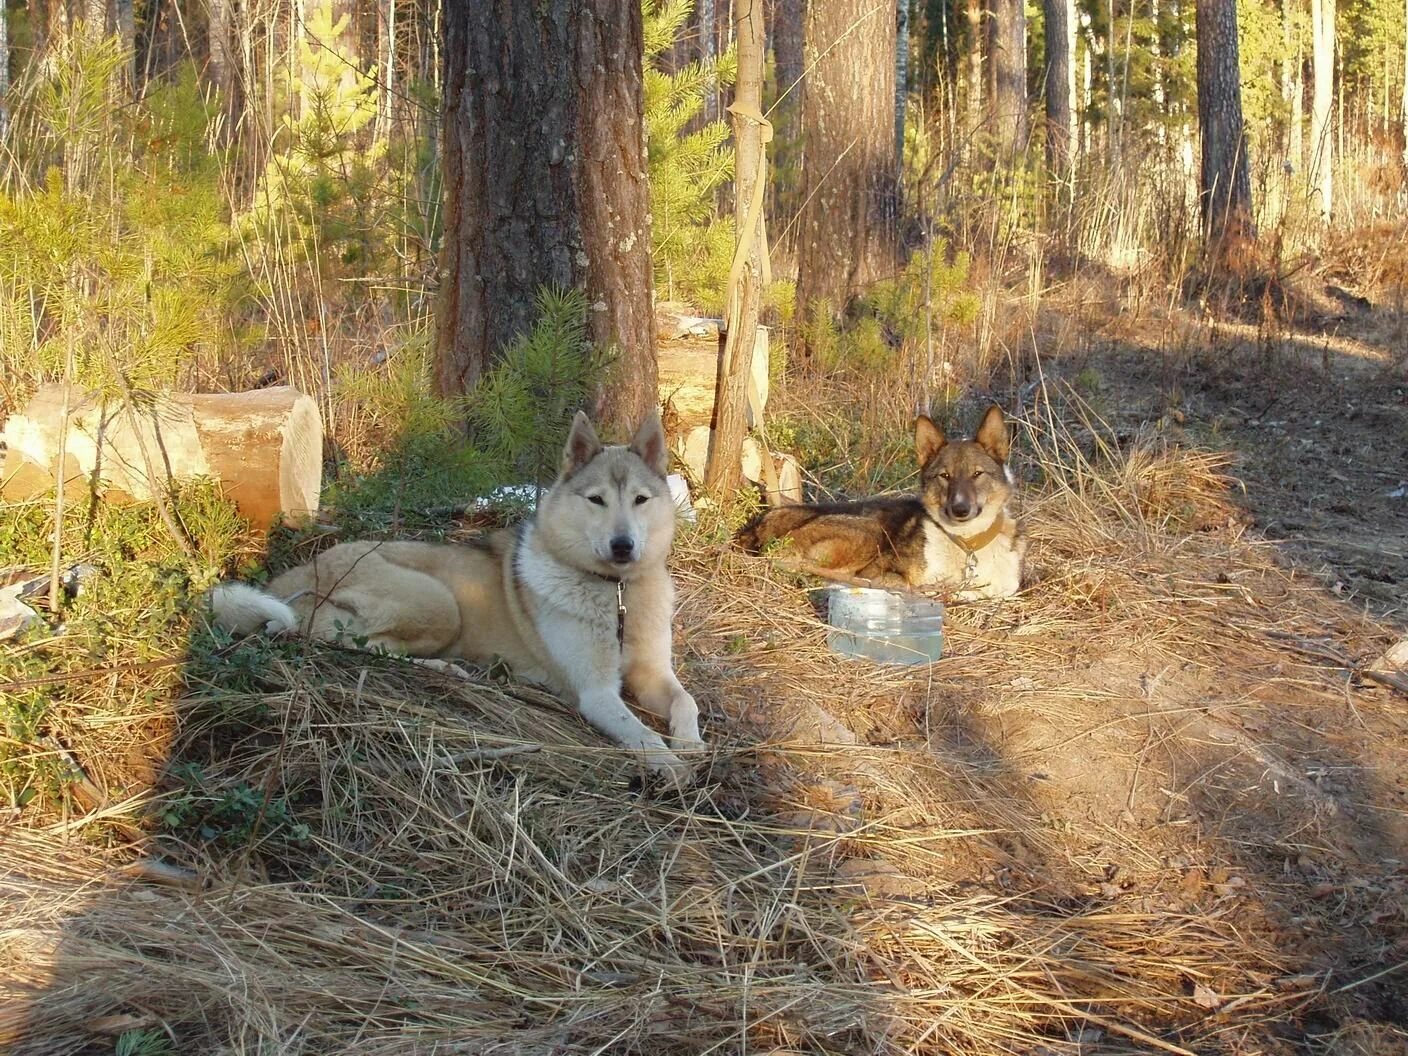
x,y
960,511
622,547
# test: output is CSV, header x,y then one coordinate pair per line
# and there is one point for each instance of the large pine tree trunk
x,y
1007,76
545,185
1225,183
1060,80
848,225
1322,35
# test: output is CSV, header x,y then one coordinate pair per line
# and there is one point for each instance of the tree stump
x,y
264,447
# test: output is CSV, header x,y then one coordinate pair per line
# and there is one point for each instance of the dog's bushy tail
x,y
776,523
242,609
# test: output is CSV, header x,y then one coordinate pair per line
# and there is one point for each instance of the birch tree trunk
x,y
1322,36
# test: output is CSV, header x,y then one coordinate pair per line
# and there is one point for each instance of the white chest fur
x,y
995,571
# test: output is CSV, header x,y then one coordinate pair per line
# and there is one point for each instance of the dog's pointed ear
x,y
649,443
992,434
929,439
582,445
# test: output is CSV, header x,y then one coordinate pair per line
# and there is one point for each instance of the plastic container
x,y
881,625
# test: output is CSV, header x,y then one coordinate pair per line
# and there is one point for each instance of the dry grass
x,y
1061,836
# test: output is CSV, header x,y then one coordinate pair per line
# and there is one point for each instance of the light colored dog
x,y
577,599
956,533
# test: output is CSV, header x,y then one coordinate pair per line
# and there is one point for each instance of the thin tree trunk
x,y
1087,94
4,73
1298,109
901,76
125,25
788,36
974,12
1060,77
1322,33
1160,95
545,185
1225,183
847,233
1288,79
723,472
224,61
707,36
789,17
386,66
1007,81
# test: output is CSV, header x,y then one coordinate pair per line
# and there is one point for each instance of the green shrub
x,y
132,609
692,245
113,270
519,415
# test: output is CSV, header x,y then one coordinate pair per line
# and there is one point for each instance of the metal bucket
x,y
881,625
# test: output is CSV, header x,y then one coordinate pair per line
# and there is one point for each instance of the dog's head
x,y
611,510
964,484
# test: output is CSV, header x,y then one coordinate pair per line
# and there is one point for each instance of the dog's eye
x,y
977,473
640,499
596,500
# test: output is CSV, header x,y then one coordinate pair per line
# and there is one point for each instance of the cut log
x,y
264,447
693,449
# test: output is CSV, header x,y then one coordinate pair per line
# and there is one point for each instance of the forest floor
x,y
1153,805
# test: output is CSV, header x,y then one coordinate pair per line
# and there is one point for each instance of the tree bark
x,y
789,17
1060,80
4,73
1007,76
1322,35
847,236
545,185
1404,113
224,62
974,12
722,474
1225,182
125,25
901,77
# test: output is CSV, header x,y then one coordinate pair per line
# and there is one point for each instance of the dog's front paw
x,y
666,764
693,745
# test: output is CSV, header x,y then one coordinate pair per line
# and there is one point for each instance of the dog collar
x,y
972,544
